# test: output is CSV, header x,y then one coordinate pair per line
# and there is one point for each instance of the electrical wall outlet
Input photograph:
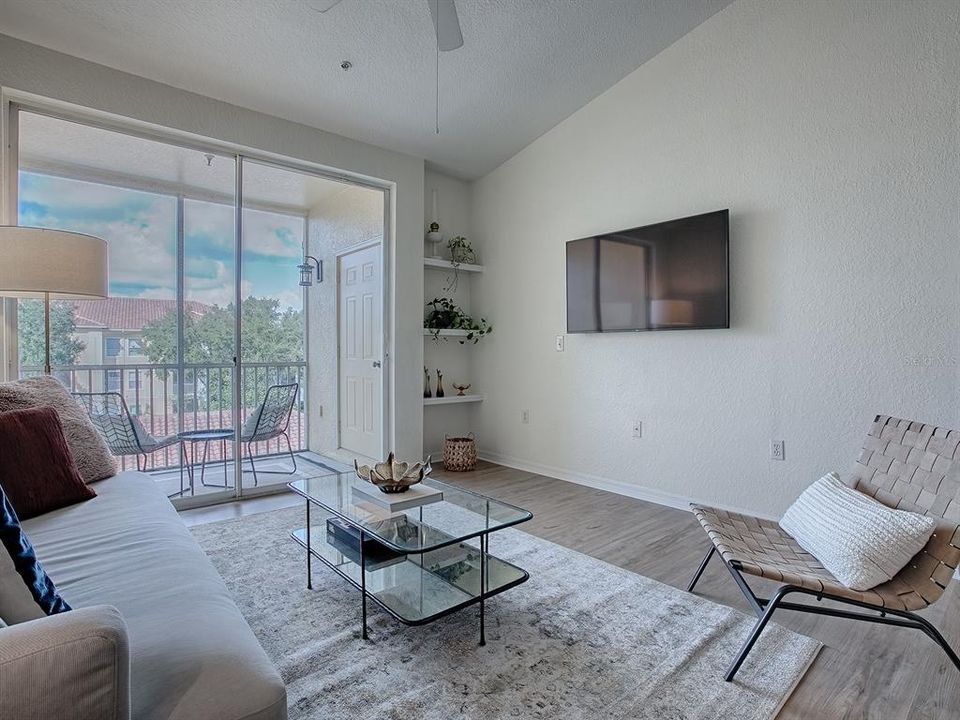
x,y
559,343
637,428
776,450
525,417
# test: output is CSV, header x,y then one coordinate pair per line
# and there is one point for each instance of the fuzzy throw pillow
x,y
90,452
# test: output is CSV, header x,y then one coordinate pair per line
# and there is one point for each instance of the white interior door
x,y
360,285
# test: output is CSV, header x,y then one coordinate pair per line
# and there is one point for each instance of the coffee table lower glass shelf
x,y
418,564
416,588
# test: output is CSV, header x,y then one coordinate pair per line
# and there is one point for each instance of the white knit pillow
x,y
862,542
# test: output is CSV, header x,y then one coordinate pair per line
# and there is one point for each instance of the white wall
x,y
830,130
456,361
27,68
351,217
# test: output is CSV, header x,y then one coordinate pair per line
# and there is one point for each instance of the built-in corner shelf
x,y
440,264
453,400
447,333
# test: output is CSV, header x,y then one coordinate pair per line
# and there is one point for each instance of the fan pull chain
x,y
438,79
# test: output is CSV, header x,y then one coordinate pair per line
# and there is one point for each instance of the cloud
x,y
272,234
140,229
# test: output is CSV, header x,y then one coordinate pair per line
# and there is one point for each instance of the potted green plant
x,y
461,253
444,314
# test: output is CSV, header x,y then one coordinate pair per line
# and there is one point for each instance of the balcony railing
x,y
203,400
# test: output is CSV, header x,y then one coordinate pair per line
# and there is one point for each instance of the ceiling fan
x,y
446,24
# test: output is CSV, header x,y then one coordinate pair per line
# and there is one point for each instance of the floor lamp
x,y
53,265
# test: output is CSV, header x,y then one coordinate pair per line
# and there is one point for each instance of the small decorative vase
x,y
439,384
434,237
426,383
461,389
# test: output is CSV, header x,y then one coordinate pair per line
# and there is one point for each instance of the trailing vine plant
x,y
461,253
444,314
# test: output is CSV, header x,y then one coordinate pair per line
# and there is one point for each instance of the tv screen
x,y
669,276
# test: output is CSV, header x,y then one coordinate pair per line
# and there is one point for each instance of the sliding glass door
x,y
273,374
159,350
334,231
204,341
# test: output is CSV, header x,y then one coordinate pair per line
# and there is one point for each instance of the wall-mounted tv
x,y
674,275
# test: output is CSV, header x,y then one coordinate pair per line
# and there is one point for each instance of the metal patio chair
x,y
903,464
124,433
269,421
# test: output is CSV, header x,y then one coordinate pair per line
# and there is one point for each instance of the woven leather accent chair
x,y
903,464
270,420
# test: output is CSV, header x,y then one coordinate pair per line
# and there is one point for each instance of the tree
x,y
160,339
65,348
269,335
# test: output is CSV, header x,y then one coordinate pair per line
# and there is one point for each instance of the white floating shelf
x,y
447,333
440,264
453,400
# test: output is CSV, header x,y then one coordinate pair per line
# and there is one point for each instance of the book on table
x,y
415,496
345,538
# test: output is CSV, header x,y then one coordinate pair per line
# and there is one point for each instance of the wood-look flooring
x,y
864,670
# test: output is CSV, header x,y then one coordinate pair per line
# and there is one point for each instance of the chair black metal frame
x,y
273,420
765,607
115,424
903,464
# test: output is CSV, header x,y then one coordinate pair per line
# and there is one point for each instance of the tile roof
x,y
121,313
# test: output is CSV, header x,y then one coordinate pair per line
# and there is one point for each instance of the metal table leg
x,y
223,454
363,588
184,464
309,558
203,463
483,587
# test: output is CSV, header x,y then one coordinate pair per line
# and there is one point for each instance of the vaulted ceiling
x,y
525,65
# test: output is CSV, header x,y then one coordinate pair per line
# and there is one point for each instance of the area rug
x,y
580,639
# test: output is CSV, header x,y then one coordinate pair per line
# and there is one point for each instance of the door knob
x,y
376,363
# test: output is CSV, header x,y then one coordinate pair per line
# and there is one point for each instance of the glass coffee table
x,y
417,563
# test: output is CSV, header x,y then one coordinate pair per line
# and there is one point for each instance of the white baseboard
x,y
601,483
639,492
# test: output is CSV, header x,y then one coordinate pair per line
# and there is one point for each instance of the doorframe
x,y
385,370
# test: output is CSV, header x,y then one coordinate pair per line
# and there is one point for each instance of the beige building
x,y
114,357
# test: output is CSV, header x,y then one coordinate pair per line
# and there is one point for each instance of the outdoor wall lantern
x,y
307,270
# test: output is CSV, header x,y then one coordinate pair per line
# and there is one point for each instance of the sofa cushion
x,y
860,541
90,452
37,470
23,559
192,654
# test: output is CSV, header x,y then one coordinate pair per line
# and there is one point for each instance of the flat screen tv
x,y
670,276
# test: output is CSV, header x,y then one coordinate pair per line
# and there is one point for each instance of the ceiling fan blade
x,y
322,6
446,24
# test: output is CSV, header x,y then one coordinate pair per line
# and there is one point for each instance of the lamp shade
x,y
34,261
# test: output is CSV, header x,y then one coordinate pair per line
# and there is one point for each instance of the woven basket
x,y
459,453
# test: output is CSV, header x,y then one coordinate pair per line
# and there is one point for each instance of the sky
x,y
140,229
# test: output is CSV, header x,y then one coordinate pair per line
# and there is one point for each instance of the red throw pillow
x,y
37,470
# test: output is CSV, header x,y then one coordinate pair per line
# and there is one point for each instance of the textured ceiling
x,y
525,64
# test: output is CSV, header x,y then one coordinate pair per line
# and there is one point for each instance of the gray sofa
x,y
154,633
